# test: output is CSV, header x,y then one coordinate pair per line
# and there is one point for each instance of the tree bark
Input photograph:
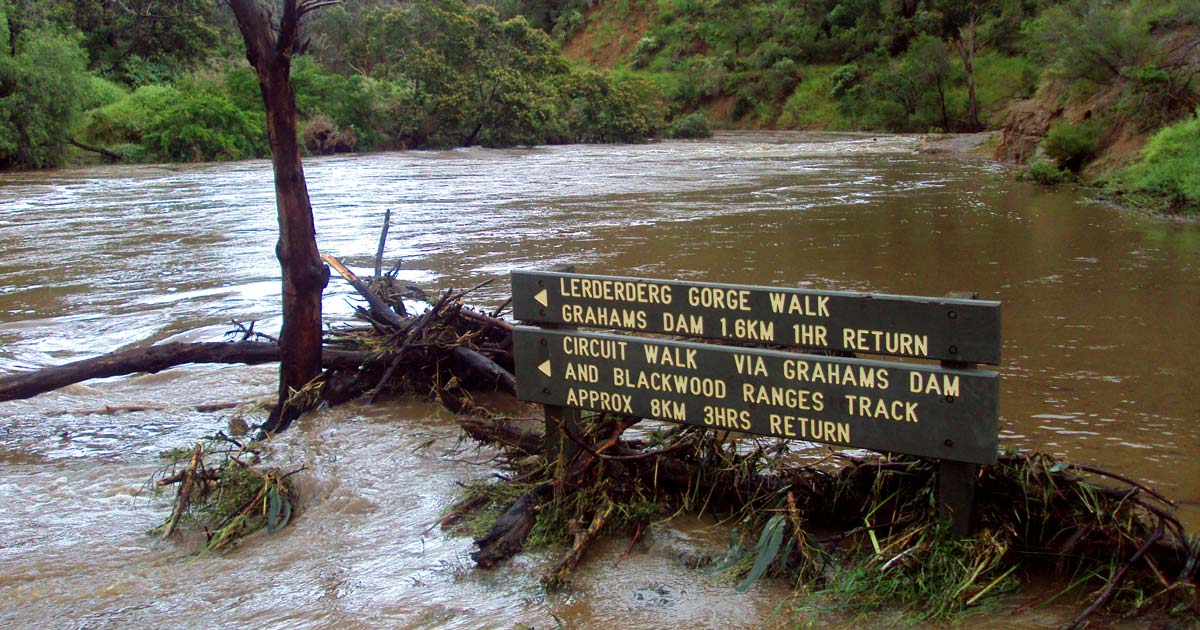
x,y
304,275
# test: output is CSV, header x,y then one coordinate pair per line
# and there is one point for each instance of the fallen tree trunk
x,y
155,359
487,369
116,157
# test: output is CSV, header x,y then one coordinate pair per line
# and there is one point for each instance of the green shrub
x,y
1000,80
694,125
842,80
644,51
355,103
1085,40
1072,146
1046,172
99,92
598,107
125,121
781,79
136,70
568,24
700,78
1156,96
1168,171
204,125
239,82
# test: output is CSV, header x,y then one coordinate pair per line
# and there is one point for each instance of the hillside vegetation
x,y
159,80
1077,87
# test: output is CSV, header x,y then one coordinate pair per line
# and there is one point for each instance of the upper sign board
x,y
946,329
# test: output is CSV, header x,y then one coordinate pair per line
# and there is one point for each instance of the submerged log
x,y
507,536
154,359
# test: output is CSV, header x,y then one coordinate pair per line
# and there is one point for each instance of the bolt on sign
x,y
945,411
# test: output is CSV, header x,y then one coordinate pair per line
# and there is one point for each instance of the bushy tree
x,y
1073,145
202,124
1089,40
598,108
927,66
139,42
42,89
479,79
124,123
365,106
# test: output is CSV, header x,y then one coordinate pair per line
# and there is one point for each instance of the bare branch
x,y
148,12
289,25
308,6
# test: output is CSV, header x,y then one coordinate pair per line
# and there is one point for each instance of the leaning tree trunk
x,y
968,48
304,275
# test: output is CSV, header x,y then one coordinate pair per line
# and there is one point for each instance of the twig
x,y
1118,578
587,448
487,320
582,542
184,497
504,305
1100,471
116,409
637,535
387,221
473,289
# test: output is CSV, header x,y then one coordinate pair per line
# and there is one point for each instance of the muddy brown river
x,y
1100,314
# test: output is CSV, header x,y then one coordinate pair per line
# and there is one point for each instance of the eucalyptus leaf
x,y
274,506
768,548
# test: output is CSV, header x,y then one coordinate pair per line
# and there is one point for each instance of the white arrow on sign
x,y
542,298
544,368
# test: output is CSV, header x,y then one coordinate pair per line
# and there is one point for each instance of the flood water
x,y
1100,313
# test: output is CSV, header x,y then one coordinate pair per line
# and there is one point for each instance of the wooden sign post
x,y
945,411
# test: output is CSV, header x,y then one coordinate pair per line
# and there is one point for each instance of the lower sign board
x,y
879,405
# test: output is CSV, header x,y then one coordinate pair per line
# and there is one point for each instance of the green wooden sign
x,y
856,403
945,329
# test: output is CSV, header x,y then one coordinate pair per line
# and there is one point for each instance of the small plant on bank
x,y
693,125
1046,172
1072,146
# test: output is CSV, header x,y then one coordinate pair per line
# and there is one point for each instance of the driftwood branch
x,y
487,320
387,222
487,369
155,359
507,536
413,332
583,540
379,309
